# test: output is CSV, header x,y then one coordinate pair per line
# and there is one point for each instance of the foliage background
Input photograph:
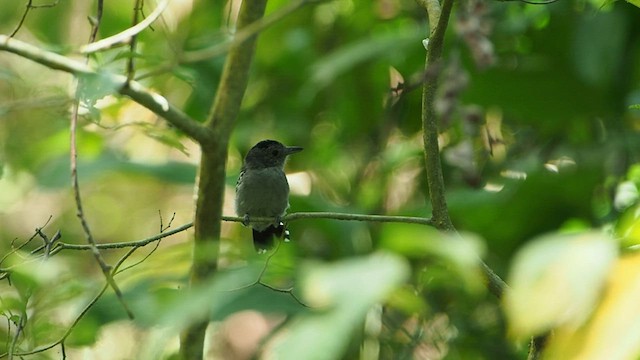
x,y
539,139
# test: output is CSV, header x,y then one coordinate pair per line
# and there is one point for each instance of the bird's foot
x,y
245,220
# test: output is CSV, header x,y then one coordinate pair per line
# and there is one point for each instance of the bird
x,y
262,190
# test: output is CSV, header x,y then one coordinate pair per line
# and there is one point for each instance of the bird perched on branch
x,y
262,190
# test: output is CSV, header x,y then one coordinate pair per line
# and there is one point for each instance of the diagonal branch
x,y
134,90
106,269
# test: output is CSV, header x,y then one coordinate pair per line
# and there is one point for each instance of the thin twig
x,y
133,42
120,245
258,281
349,217
162,229
126,35
165,228
26,12
22,19
16,249
287,218
61,340
19,328
75,185
50,243
531,2
96,21
69,330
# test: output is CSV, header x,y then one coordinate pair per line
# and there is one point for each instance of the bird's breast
x,y
262,192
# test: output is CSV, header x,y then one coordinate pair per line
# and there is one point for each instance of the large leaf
x,y
340,295
557,280
55,173
614,329
461,253
328,68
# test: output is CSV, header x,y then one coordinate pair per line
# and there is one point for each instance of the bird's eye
x,y
275,152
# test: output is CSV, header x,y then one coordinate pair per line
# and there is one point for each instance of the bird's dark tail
x,y
265,239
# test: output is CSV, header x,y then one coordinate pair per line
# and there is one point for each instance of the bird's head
x,y
269,153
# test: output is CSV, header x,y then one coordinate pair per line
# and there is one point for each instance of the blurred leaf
x,y
593,65
85,332
461,252
613,331
564,196
376,46
628,227
11,304
168,137
228,292
55,173
339,299
94,87
634,2
407,300
30,273
557,280
200,76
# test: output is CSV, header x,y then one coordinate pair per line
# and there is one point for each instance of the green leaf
x,y
556,280
94,87
376,46
85,332
613,331
55,173
462,253
230,291
340,294
634,2
11,304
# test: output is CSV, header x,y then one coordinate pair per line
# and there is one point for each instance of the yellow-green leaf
x,y
557,280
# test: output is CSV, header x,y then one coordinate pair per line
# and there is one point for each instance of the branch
x,y
429,119
287,218
120,245
350,217
134,90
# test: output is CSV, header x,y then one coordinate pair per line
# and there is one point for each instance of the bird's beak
x,y
292,149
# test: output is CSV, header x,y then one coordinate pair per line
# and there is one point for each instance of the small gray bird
x,y
262,190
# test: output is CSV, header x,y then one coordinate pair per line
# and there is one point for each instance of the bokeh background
x,y
539,134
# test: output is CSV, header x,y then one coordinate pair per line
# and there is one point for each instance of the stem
x,y
212,173
430,124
